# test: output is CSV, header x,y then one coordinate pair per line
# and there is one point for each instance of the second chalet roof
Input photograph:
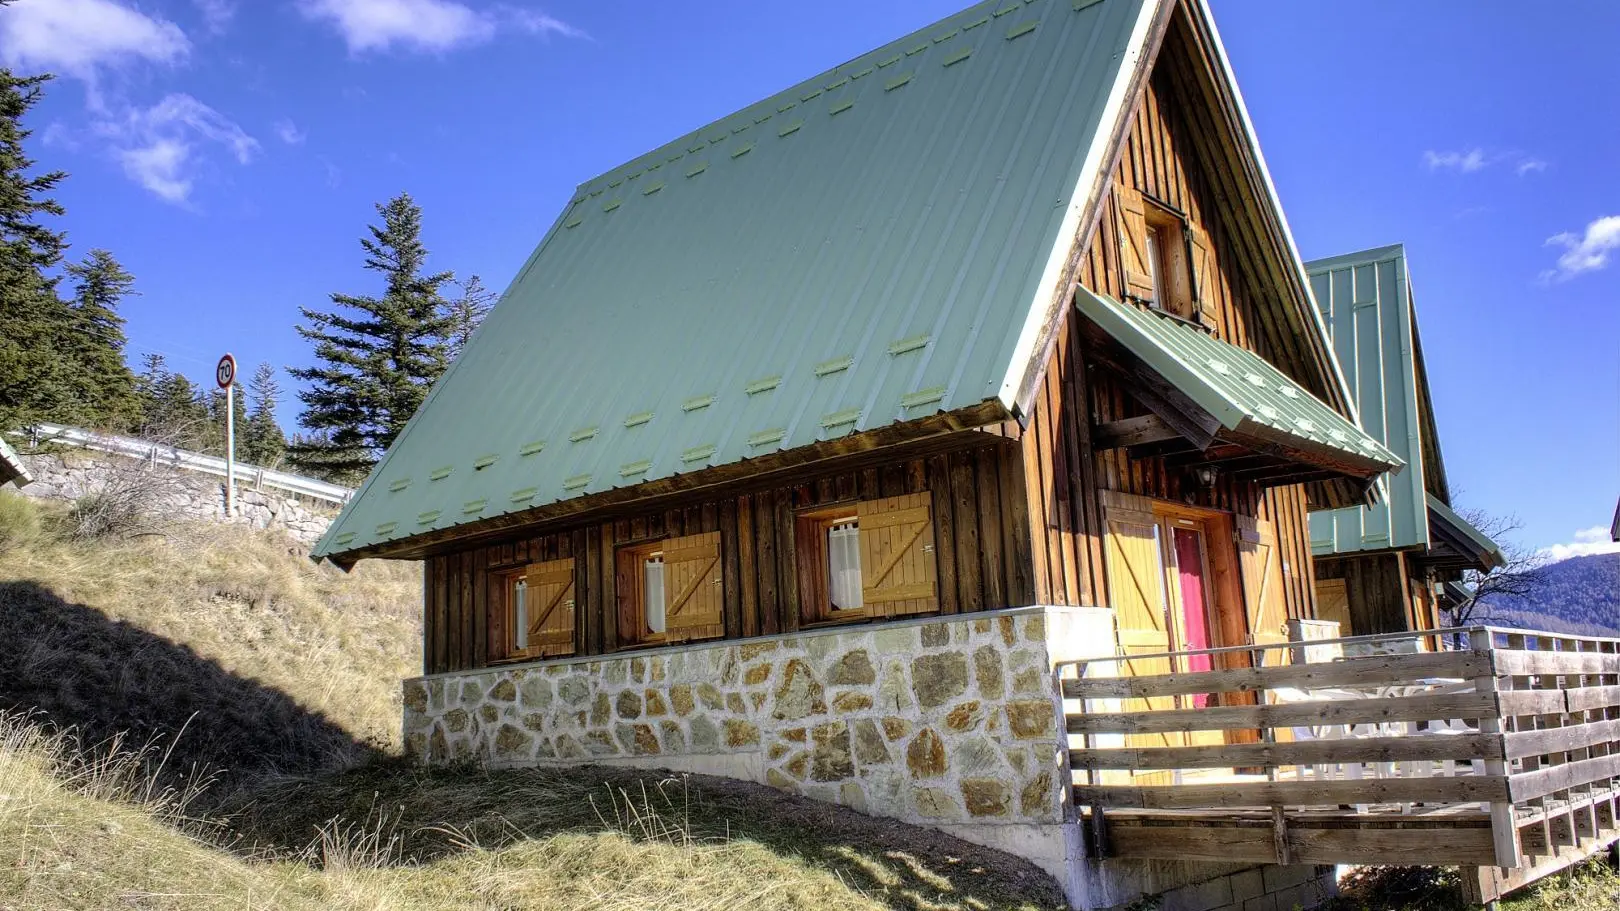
x,y
1242,390
863,249
11,466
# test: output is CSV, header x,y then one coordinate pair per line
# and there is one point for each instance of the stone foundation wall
x,y
72,474
937,721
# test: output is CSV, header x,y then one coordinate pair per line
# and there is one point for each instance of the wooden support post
x,y
1279,836
1504,830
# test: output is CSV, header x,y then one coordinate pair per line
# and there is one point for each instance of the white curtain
x,y
520,612
844,562
653,571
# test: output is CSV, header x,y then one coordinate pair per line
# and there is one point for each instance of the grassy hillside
x,y
229,652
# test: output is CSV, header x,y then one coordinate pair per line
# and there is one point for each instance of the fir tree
x,y
172,408
103,385
378,355
467,311
213,441
262,441
34,382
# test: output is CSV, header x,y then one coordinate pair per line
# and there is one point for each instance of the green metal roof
x,y
876,244
1242,390
11,466
1365,300
1472,543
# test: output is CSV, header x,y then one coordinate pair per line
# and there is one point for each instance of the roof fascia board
x,y
1296,266
1357,257
320,551
1048,307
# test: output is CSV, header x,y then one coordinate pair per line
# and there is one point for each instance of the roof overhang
x,y
1216,405
1614,529
12,468
1455,544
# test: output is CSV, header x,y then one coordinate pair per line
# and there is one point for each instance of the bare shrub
x,y
124,505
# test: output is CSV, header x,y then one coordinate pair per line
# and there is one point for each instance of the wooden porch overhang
x,y
1502,756
1212,405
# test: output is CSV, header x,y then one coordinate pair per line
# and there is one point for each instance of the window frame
x,y
630,592
508,580
503,582
813,558
1172,274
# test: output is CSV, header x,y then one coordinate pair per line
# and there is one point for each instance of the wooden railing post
x,y
1504,828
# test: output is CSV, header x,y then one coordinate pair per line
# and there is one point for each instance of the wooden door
x,y
1136,590
1263,597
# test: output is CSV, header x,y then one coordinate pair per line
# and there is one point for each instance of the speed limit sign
x,y
225,372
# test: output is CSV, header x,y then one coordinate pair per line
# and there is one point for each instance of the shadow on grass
x,y
427,814
73,667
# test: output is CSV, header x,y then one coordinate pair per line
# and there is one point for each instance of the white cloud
x,y
288,132
426,25
164,148
1588,541
81,37
1586,252
1467,161
1530,165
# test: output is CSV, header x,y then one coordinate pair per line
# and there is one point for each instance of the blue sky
x,y
229,153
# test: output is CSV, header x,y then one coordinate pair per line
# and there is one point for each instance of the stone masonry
x,y
72,474
938,721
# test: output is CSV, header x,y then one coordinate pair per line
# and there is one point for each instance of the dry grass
x,y
223,657
265,659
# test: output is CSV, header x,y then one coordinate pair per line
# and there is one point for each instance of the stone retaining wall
x,y
72,474
943,720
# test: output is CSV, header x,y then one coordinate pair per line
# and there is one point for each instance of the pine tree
x,y
33,378
172,408
467,311
213,441
378,355
262,441
103,385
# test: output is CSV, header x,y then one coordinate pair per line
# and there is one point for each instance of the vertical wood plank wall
x,y
982,542
1063,473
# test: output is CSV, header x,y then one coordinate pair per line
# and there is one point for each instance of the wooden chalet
x,y
1381,566
818,445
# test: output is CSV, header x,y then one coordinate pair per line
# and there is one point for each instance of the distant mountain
x,y
1580,595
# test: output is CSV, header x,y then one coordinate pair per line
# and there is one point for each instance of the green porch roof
x,y
1365,299
1242,390
11,466
1459,543
877,244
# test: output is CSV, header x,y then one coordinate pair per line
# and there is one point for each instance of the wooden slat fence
x,y
1510,741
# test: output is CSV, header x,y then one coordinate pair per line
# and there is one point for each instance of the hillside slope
x,y
230,652
1579,595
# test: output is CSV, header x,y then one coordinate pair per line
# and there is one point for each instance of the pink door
x,y
1189,544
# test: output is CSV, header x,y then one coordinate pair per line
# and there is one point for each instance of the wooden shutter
x,y
898,572
1136,592
550,600
694,595
1133,260
1203,277
1263,596
1333,603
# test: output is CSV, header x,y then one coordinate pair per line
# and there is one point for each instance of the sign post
x,y
225,376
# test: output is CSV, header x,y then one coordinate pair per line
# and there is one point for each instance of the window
x,y
874,558
532,611
1165,258
670,590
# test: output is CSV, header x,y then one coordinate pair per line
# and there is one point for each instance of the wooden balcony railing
x,y
1502,754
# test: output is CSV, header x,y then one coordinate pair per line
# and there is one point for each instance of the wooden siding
x,y
1064,474
981,537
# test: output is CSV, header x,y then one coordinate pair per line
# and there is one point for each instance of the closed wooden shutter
x,y
898,572
1133,259
550,600
1333,603
694,595
1136,592
1203,277
1263,596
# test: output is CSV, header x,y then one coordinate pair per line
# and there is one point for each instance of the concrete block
x,y
1204,896
1278,878
1263,903
1248,884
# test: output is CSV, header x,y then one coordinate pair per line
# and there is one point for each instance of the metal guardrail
x,y
247,476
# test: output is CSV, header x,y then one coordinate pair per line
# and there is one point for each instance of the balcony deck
x,y
1502,756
